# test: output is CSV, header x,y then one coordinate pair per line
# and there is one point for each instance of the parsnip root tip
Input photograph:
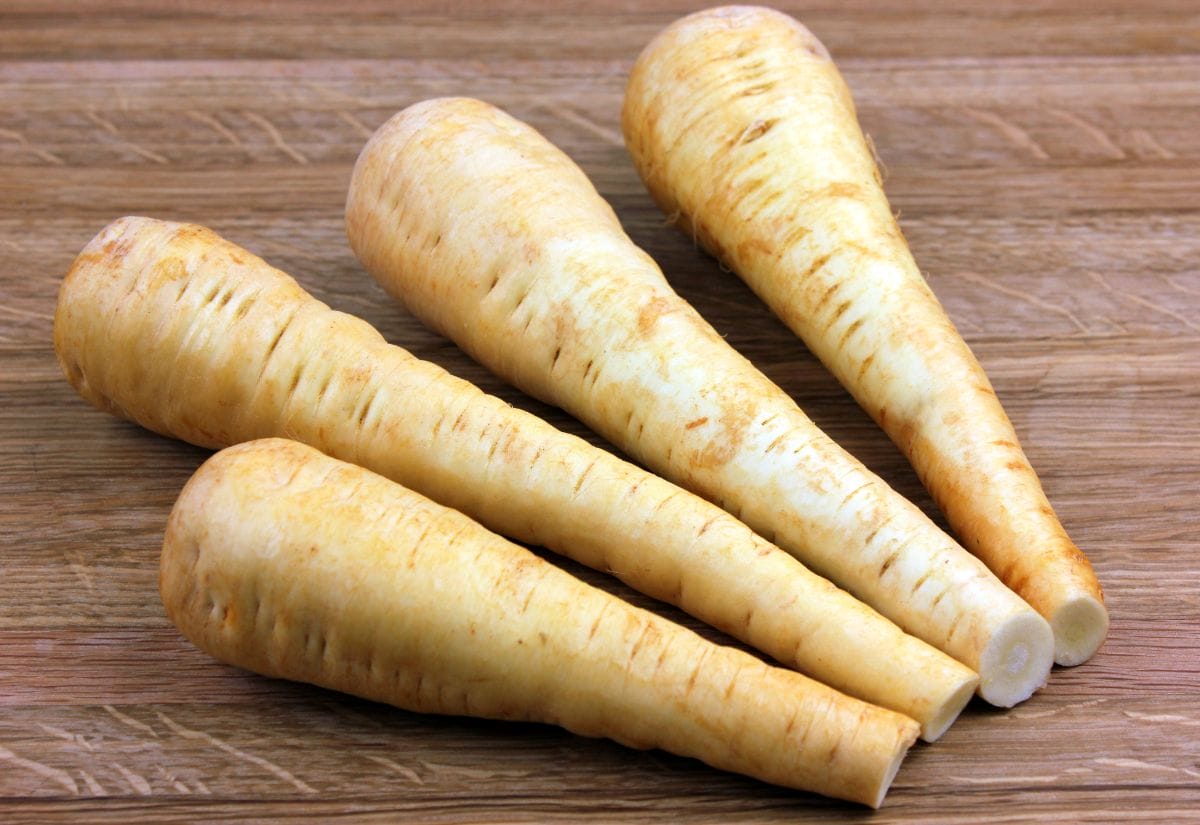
x,y
1080,626
1017,660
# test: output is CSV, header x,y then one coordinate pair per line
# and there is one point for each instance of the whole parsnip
x,y
745,133
284,561
495,238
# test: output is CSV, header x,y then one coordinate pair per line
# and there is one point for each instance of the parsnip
x,y
187,334
742,128
495,238
292,564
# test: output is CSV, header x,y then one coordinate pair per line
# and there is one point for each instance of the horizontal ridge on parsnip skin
x,y
292,564
495,238
173,327
743,130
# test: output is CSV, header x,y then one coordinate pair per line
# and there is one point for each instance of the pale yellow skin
x,y
292,564
494,237
185,333
745,133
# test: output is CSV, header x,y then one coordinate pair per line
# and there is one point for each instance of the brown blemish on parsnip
x,y
841,189
754,245
649,314
116,249
727,440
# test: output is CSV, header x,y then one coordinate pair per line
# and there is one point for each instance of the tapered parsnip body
x,y
193,337
743,129
284,561
495,238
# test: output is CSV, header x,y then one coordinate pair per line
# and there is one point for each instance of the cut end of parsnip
x,y
886,782
1017,660
1080,626
940,721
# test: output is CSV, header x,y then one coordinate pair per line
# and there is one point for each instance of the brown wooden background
x,y
1043,156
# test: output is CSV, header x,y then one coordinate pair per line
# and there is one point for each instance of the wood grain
x,y
1043,158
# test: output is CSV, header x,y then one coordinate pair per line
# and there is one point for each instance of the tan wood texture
x,y
1044,159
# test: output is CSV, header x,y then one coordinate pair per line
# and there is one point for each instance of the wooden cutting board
x,y
1043,157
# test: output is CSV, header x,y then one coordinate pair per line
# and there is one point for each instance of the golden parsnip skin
x,y
494,237
292,564
744,131
175,328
